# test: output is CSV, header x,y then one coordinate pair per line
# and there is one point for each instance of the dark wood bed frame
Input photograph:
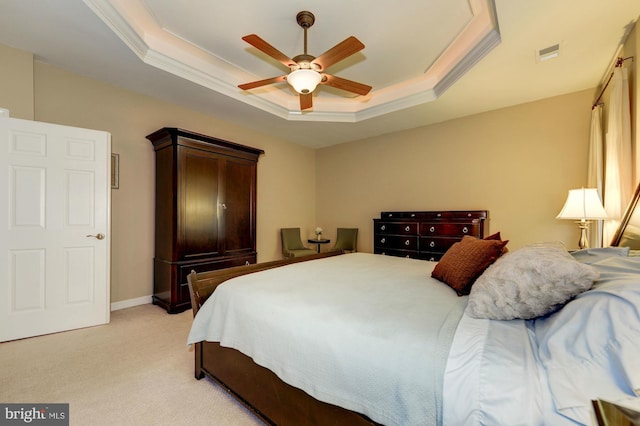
x,y
259,389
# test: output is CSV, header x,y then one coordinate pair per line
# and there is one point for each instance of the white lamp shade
x,y
583,203
304,80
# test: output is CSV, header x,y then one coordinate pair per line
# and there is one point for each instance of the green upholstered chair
x,y
292,244
346,240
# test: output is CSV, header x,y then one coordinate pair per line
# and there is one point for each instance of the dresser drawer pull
x,y
465,230
382,241
407,228
432,244
432,229
406,243
382,228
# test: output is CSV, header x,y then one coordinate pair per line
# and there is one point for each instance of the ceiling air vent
x,y
547,53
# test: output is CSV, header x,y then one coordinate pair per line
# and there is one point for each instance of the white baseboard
x,y
129,303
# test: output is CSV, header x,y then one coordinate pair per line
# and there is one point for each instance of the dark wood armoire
x,y
205,212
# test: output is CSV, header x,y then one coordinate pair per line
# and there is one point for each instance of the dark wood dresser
x,y
205,213
425,234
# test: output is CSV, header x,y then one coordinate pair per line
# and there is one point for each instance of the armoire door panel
x,y
239,199
165,217
200,172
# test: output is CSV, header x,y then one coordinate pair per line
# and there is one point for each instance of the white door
x,y
54,228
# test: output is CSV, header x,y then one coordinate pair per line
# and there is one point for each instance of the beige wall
x,y
516,162
16,82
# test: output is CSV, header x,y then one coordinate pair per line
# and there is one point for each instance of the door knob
x,y
97,236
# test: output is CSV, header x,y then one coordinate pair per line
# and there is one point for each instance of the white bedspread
x,y
367,332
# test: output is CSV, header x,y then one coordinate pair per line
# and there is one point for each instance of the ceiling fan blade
x,y
265,47
338,52
344,84
259,83
306,101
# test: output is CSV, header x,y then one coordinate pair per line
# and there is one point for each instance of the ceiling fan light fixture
x,y
304,81
307,71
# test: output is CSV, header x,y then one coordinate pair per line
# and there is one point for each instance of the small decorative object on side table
x,y
318,240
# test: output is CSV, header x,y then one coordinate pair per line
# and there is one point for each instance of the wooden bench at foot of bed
x,y
258,388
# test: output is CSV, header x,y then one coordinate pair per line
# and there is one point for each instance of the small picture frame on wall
x,y
115,171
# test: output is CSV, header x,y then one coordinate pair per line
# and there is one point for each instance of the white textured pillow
x,y
529,282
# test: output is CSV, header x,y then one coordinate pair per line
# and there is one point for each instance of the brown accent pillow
x,y
496,236
465,261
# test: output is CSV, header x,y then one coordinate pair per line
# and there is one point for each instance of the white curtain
x,y
595,170
618,186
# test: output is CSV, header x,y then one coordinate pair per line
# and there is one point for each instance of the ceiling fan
x,y
307,71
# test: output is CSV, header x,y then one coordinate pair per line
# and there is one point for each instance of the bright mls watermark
x,y
34,414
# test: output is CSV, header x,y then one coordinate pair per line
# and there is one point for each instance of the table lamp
x,y
583,205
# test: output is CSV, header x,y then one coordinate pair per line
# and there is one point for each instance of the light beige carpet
x,y
137,370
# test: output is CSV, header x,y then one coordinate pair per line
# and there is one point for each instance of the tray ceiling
x,y
427,60
427,51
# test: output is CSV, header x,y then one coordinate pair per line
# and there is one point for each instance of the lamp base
x,y
583,243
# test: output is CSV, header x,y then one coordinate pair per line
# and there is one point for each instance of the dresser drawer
x,y
446,216
437,244
434,257
396,228
458,229
398,253
396,241
400,215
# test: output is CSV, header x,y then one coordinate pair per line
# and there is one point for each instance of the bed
x,y
362,339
